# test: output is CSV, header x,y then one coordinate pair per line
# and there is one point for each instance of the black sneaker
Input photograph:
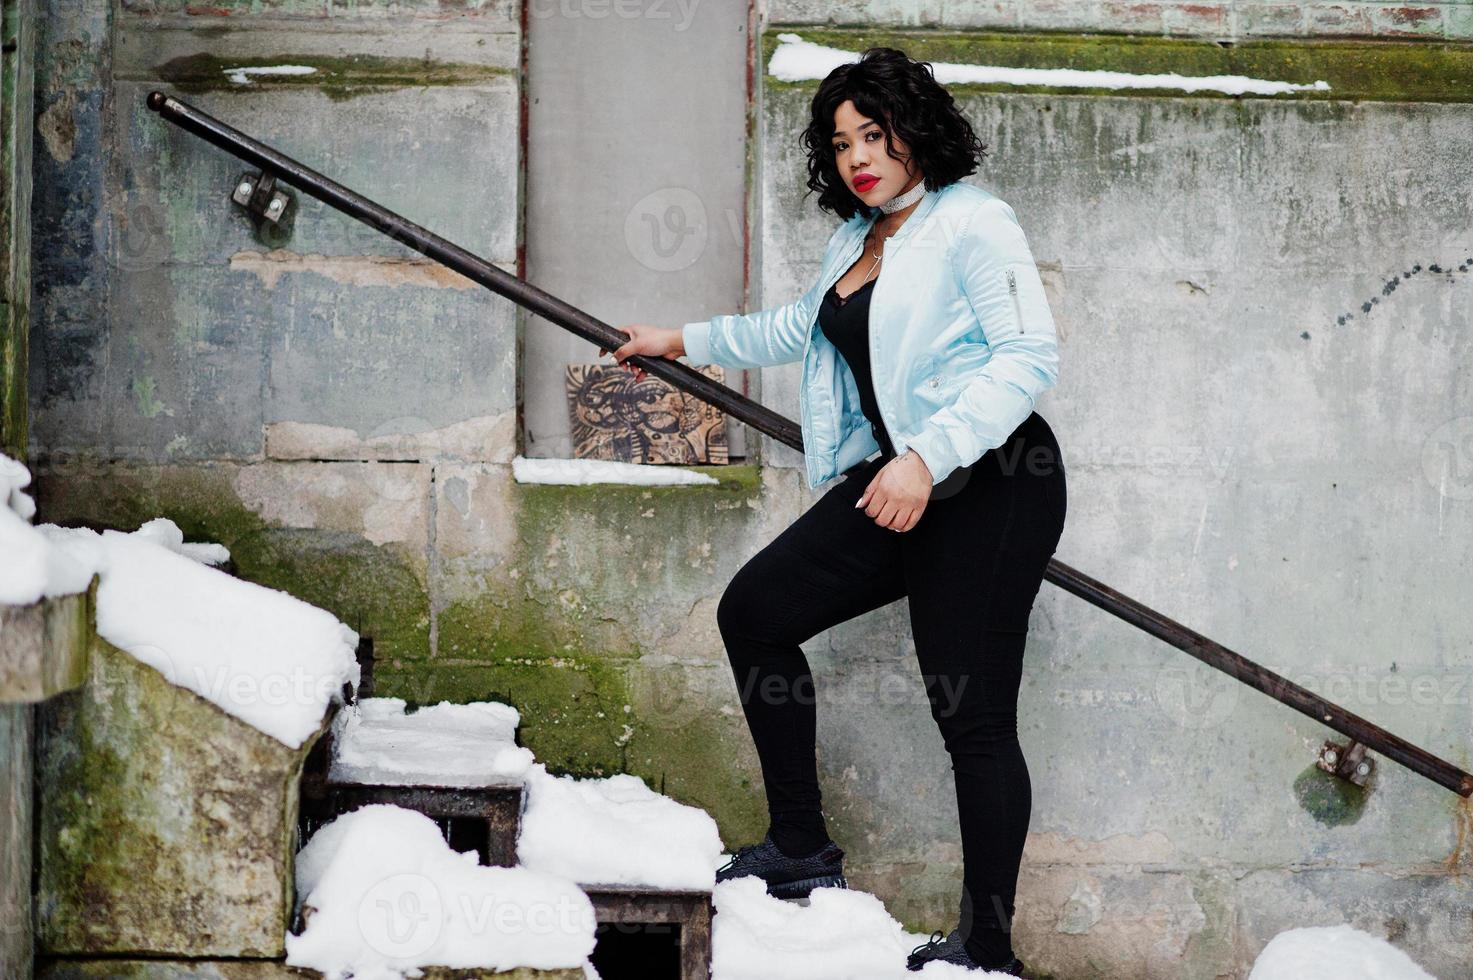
x,y
787,877
951,949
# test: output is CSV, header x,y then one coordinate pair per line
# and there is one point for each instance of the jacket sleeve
x,y
995,268
746,340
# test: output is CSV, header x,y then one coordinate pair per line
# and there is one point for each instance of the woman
x,y
934,339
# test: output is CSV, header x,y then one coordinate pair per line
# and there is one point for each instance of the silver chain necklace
x,y
897,203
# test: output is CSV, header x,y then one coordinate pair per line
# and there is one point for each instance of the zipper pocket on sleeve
x,y
1013,292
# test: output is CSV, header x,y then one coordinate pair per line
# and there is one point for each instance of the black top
x,y
845,322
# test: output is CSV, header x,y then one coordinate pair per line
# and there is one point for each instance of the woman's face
x,y
859,153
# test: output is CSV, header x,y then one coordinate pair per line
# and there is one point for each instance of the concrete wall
x,y
1223,19
1262,304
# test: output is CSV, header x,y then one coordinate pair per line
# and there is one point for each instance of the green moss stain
x,y
1382,71
617,539
508,621
376,589
338,78
146,394
1332,801
372,588
572,707
591,717
14,419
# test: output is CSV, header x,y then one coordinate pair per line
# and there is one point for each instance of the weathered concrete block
x,y
1108,920
43,646
166,826
255,970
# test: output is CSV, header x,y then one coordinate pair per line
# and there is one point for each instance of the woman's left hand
x,y
898,493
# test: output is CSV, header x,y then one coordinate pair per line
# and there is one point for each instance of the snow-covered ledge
x,y
581,472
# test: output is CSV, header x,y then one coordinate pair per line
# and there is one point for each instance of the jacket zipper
x,y
1013,291
833,277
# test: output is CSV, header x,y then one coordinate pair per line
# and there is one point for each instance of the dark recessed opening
x,y
636,950
467,834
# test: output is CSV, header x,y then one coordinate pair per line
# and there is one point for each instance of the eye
x,y
874,132
838,147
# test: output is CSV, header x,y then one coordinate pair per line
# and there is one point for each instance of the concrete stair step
x,y
487,819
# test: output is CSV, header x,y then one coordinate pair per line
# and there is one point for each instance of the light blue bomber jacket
x,y
962,340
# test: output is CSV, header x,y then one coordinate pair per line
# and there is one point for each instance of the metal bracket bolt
x,y
1348,762
258,194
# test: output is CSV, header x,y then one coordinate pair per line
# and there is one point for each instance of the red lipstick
x,y
864,182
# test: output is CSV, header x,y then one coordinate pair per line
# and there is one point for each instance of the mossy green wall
x,y
576,608
17,32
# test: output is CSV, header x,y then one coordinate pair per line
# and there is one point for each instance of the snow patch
x,y
616,830
32,568
47,561
1333,953
796,60
383,894
583,471
242,76
375,741
840,933
263,656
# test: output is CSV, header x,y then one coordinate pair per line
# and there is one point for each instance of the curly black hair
x,y
904,98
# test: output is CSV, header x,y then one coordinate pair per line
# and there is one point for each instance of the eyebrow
x,y
861,128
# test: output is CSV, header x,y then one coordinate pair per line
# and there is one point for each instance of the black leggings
x,y
970,569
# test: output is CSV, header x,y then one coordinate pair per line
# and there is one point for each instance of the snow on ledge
x,y
384,895
241,76
47,561
447,744
585,471
32,568
796,60
261,655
